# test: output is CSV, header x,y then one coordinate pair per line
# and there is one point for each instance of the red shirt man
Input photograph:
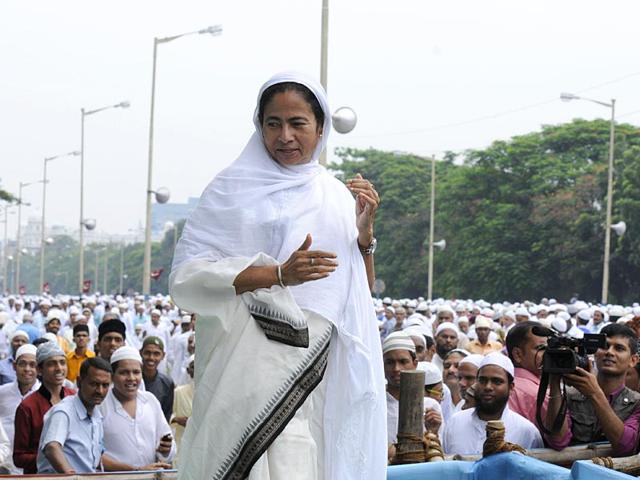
x,y
52,366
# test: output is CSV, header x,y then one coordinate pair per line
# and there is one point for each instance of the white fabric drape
x,y
255,205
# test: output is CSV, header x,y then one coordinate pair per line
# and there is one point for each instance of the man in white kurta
x,y
465,432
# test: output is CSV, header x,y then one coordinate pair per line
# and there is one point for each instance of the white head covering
x,y
473,359
432,374
26,349
125,353
398,341
51,337
446,326
19,333
497,358
416,331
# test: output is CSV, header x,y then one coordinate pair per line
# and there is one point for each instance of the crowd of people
x,y
106,383
486,362
95,384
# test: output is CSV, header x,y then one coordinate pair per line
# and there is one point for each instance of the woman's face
x,y
289,129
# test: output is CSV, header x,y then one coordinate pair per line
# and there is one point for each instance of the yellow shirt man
x,y
74,357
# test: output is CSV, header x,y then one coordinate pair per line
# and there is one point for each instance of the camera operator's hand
x,y
586,382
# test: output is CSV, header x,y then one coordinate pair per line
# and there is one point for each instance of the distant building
x,y
169,212
31,235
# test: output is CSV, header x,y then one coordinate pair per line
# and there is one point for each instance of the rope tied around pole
x,y
495,440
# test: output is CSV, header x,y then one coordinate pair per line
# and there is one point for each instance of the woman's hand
x,y
367,202
305,265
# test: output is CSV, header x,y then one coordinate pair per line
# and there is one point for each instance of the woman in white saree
x,y
289,379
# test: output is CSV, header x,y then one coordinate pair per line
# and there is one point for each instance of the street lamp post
x,y
85,113
432,209
44,204
324,48
5,254
20,202
146,274
607,229
121,268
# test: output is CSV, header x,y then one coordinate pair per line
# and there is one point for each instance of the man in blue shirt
x,y
72,436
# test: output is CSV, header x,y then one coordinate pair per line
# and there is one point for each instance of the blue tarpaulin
x,y
502,465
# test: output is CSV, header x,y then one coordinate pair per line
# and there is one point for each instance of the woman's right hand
x,y
306,265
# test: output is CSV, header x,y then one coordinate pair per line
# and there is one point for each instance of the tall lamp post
x,y
85,113
146,274
20,202
324,48
5,248
607,230
44,204
440,244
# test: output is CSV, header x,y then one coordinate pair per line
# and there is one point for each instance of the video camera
x,y
564,354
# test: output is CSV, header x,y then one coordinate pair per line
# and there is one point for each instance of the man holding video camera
x,y
599,407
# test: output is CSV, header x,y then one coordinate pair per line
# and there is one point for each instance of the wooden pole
x,y
410,446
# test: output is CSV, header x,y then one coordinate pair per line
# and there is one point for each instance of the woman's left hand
x,y
367,201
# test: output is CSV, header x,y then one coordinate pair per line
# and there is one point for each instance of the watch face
x,y
372,248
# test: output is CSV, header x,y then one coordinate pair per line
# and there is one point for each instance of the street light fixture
x,y
20,203
5,256
607,231
85,113
44,241
146,274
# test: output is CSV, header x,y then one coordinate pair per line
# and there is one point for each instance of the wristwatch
x,y
369,249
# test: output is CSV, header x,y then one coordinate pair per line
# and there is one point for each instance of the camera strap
x,y
542,393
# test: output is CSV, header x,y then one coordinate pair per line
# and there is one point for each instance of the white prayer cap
x,y
445,308
413,320
617,311
26,349
422,307
389,309
559,325
459,351
461,319
19,301
483,322
500,360
474,359
20,333
521,311
73,310
636,311
412,304
45,303
54,314
155,311
487,312
432,374
563,315
460,308
510,314
446,326
416,331
396,304
386,301
585,315
51,337
125,353
398,341
123,305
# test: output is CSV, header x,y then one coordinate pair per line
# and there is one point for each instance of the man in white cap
x,y
398,354
11,394
52,368
7,372
482,344
467,372
465,432
446,337
40,315
136,434
53,324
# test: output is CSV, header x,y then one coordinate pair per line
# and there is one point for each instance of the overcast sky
x,y
423,77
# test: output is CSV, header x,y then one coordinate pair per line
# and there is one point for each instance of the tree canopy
x,y
522,218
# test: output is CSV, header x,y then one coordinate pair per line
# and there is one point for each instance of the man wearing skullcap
x,y
11,394
467,372
52,368
53,324
72,435
136,434
450,376
482,344
158,383
446,337
7,372
111,336
80,353
465,432
433,419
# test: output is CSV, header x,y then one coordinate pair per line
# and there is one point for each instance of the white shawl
x,y
257,206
